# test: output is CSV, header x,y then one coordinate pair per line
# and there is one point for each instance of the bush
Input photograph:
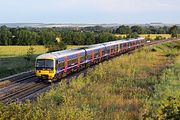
x,y
30,54
57,47
114,89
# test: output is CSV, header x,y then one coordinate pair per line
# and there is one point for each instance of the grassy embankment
x,y
12,58
128,87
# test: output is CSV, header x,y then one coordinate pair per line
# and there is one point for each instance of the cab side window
x,y
120,46
59,64
103,51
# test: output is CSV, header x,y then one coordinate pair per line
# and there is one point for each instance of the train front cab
x,y
45,68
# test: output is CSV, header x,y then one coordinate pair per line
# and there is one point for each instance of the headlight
x,y
51,71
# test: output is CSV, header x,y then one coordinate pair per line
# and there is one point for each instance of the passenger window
x,y
60,64
120,46
82,58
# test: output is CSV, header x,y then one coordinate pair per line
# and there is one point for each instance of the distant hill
x,y
71,25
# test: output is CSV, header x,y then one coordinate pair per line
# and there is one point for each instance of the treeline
x,y
51,36
81,36
174,30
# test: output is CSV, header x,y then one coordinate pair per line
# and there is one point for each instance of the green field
x,y
11,51
12,58
114,90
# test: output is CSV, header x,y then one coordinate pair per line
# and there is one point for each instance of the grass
x,y
116,89
13,65
12,51
165,102
12,58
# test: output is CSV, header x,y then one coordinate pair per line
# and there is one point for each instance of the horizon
x,y
87,23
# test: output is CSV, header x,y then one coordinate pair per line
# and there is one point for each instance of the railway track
x,y
25,86
18,89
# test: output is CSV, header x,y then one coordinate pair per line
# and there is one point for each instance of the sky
x,y
90,11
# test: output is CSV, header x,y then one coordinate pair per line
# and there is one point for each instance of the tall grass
x,y
165,102
115,89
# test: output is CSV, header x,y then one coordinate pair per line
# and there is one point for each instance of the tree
x,y
5,36
25,37
78,38
90,38
123,30
48,37
137,29
133,35
58,46
102,37
161,30
29,54
174,31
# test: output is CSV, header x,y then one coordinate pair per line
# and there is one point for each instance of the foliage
x,y
57,47
48,36
133,35
5,36
174,31
123,30
137,29
114,89
81,36
147,30
165,102
159,37
30,53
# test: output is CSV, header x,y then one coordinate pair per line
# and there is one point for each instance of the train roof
x,y
95,46
59,54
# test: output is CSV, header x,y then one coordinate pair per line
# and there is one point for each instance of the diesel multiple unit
x,y
55,65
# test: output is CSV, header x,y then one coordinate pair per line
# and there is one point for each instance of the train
x,y
55,65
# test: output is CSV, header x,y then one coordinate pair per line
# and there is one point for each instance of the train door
x,y
100,54
119,48
65,64
92,56
79,59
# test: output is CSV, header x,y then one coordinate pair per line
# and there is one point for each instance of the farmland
x,y
12,51
151,36
116,89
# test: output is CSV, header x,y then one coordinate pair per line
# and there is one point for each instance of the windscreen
x,y
44,64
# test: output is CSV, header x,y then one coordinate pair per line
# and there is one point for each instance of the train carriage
x,y
95,53
59,63
53,66
112,48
